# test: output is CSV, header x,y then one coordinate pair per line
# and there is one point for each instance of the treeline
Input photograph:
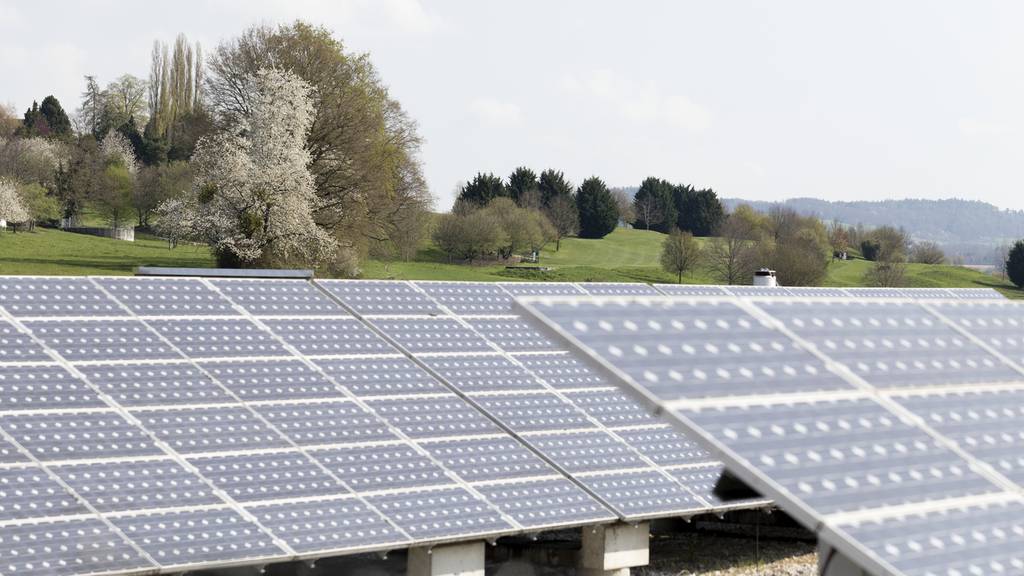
x,y
131,148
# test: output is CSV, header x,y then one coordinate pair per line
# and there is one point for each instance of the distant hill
x,y
967,229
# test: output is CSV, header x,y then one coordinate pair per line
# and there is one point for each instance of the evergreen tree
x,y
1015,264
598,211
654,206
698,211
55,117
553,184
520,182
482,189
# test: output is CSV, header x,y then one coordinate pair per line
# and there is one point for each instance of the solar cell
x,y
16,346
101,340
548,502
926,293
210,429
541,289
136,485
563,371
327,525
326,423
74,436
770,291
469,297
278,297
690,290
28,492
618,289
9,453
612,408
891,344
381,376
665,446
432,335
587,451
226,338
156,384
472,374
534,412
644,492
191,537
329,336
513,335
817,292
374,468
487,459
433,417
258,380
268,476
976,293
167,297
44,387
374,297
443,513
48,296
66,548
996,324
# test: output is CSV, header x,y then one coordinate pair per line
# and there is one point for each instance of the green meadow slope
x,y
623,256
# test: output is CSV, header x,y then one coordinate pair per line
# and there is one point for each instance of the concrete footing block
x,y
463,559
612,549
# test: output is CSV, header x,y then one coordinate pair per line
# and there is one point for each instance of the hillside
x,y
965,228
623,256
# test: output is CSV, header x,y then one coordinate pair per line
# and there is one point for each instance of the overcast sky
x,y
760,100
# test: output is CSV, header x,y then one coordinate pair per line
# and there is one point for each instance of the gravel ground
x,y
711,555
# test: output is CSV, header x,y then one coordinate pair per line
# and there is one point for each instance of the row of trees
x,y
660,205
281,148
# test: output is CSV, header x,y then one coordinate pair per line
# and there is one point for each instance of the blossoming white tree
x,y
253,196
12,209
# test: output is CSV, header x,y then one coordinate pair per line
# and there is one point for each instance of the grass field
x,y
623,256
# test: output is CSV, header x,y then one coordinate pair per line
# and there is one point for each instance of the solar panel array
x,y
891,426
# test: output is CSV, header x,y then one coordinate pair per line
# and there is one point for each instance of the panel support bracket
x,y
462,559
612,549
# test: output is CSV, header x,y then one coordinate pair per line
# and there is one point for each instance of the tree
x,y
1015,263
597,210
12,210
892,242
56,120
521,182
364,149
698,211
469,236
838,238
39,204
552,184
522,230
732,256
680,253
93,104
802,258
32,159
886,273
564,217
114,198
654,205
155,184
253,196
624,202
9,122
870,249
927,253
482,189
125,99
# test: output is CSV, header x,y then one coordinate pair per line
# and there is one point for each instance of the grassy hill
x,y
623,256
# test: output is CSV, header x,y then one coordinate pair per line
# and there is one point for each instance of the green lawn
x,y
622,256
48,251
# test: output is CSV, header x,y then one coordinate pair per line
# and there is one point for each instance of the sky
x,y
856,100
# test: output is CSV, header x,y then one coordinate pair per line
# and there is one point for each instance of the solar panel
x,y
995,324
376,297
443,513
534,412
976,293
167,296
487,459
433,335
587,451
563,371
218,338
325,423
469,297
817,292
48,296
44,387
278,297
618,289
513,335
433,417
546,502
136,485
388,467
900,480
770,291
101,340
191,537
155,384
329,336
472,374
328,526
665,446
259,476
210,429
272,380
76,436
541,289
30,493
372,377
644,493
65,548
690,290
16,346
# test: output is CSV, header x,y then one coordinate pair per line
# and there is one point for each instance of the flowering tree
x,y
253,197
11,207
117,149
